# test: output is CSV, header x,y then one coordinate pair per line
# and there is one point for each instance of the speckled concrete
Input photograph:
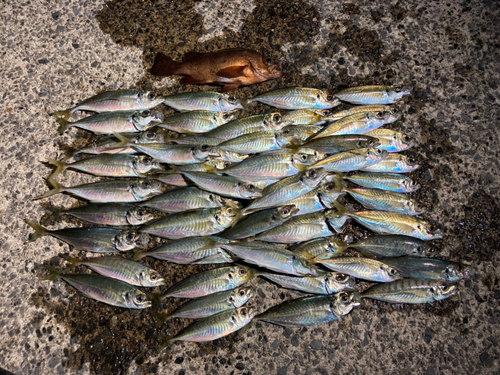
x,y
55,54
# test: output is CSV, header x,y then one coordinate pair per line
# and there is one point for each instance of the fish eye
x,y
150,135
304,157
445,288
153,277
397,88
276,118
380,114
151,96
286,132
146,184
146,113
312,174
230,275
344,298
243,313
225,116
340,277
243,271
140,298
394,111
205,147
392,271
460,268
241,293
231,99
226,164
406,138
140,213
285,211
329,98
229,211
268,60
130,236
251,187
430,250
318,96
379,151
147,159
329,187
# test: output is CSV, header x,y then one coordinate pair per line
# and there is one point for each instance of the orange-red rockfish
x,y
230,67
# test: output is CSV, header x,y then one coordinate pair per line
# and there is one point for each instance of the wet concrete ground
x,y
54,55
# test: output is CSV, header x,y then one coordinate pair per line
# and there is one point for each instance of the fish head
x,y
330,191
248,190
221,118
401,142
136,300
225,201
280,214
139,215
243,315
455,272
408,185
336,282
145,119
441,290
313,177
149,99
264,67
150,136
240,296
289,135
304,158
387,273
335,246
202,152
229,103
273,121
324,100
239,275
371,142
150,278
230,156
397,92
427,231
144,164
374,154
226,215
128,240
219,164
146,188
343,302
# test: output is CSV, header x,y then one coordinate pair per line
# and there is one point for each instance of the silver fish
x,y
393,246
297,98
339,143
363,268
247,125
392,141
203,101
320,248
224,185
325,283
305,117
197,121
351,160
429,268
374,94
393,163
320,198
258,142
359,109
385,181
376,199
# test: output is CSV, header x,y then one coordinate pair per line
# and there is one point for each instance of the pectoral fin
x,y
232,72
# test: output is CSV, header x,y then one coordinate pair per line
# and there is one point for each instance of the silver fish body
x,y
358,109
195,122
351,160
393,163
386,181
383,246
374,94
247,125
258,142
375,199
176,154
203,101
309,311
363,268
339,143
325,283
297,98
304,117
227,186
410,291
392,141
428,268
320,248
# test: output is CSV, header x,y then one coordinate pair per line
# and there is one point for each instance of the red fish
x,y
230,67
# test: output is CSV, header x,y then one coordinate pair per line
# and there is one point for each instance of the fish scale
x,y
386,181
247,125
363,268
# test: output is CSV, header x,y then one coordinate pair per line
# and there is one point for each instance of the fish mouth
x,y
274,71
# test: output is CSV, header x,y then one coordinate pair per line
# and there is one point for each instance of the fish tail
x,y
138,255
58,188
53,273
156,299
123,141
39,230
55,213
68,150
164,66
63,125
60,167
66,114
73,261
162,317
165,342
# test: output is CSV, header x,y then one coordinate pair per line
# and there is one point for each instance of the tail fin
x,y
39,230
123,141
55,213
68,150
66,114
58,188
138,255
164,66
165,342
162,317
61,167
53,275
63,124
73,261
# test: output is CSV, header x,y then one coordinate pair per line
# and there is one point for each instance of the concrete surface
x,y
56,53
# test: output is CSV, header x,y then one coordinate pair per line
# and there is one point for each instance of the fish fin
x,y
72,261
188,80
123,141
165,342
243,330
53,273
63,125
61,167
58,188
69,151
138,255
190,56
66,114
156,299
232,71
164,66
230,87
39,230
162,317
55,213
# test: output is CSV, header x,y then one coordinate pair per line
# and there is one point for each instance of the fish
x,y
298,229
297,98
190,250
392,141
305,117
260,221
113,214
362,268
393,246
272,165
104,289
247,125
272,257
310,311
287,189
211,281
358,109
201,222
198,140
339,143
375,199
108,145
112,191
429,268
226,155
187,198
97,240
227,186
300,134
195,122
351,160
374,94
216,326
125,270
203,101
259,142
212,304
172,179
393,163
411,291
385,222
112,165
231,68
320,248
386,181
114,101
325,283
114,122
